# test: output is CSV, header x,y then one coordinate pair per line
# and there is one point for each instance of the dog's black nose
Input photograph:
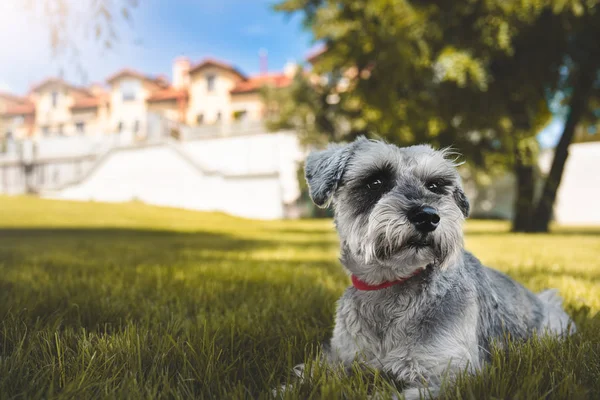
x,y
424,218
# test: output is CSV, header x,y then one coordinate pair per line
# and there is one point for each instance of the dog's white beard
x,y
380,242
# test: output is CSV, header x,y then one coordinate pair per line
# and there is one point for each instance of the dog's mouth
x,y
418,242
415,243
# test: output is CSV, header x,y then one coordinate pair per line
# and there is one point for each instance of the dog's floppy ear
x,y
324,170
461,200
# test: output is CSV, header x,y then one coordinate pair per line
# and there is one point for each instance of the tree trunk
x,y
543,212
524,195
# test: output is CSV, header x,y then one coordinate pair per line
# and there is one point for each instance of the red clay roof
x,y
254,83
208,62
169,94
12,98
132,73
20,109
88,102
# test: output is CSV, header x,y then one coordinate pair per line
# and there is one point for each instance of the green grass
x,y
132,301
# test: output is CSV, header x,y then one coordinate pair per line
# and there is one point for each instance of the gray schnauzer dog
x,y
421,308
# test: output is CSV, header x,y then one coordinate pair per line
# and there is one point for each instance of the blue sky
x,y
550,135
231,30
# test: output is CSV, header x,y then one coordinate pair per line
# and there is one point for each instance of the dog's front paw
x,y
298,371
418,393
279,392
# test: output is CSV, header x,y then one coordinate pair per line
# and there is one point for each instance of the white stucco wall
x,y
578,197
251,103
251,176
209,104
245,153
19,126
52,117
159,176
128,112
12,180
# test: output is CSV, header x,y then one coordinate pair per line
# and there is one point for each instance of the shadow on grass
x,y
201,239
88,278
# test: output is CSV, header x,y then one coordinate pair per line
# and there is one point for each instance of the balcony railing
x,y
42,148
222,130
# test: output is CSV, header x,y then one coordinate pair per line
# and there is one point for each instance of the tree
x,y
581,84
69,23
476,75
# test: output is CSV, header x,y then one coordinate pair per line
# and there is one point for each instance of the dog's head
x,y
397,210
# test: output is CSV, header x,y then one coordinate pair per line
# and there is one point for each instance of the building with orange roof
x,y
246,96
53,100
129,108
98,142
16,116
209,84
208,92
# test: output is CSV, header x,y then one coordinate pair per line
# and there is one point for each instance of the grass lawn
x,y
131,301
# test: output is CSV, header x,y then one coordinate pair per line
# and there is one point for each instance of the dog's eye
x,y
375,184
437,186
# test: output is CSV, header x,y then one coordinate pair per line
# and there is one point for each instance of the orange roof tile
x,y
252,84
26,108
88,102
12,98
207,62
168,94
98,89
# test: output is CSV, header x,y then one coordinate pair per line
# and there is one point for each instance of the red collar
x,y
362,285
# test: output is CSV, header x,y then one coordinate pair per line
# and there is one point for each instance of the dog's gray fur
x,y
442,320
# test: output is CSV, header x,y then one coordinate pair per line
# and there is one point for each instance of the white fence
x,y
33,164
249,173
252,176
222,130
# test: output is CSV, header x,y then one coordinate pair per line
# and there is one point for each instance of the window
x,y
80,127
210,82
240,115
54,99
219,116
130,89
45,130
120,127
136,126
5,143
200,119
